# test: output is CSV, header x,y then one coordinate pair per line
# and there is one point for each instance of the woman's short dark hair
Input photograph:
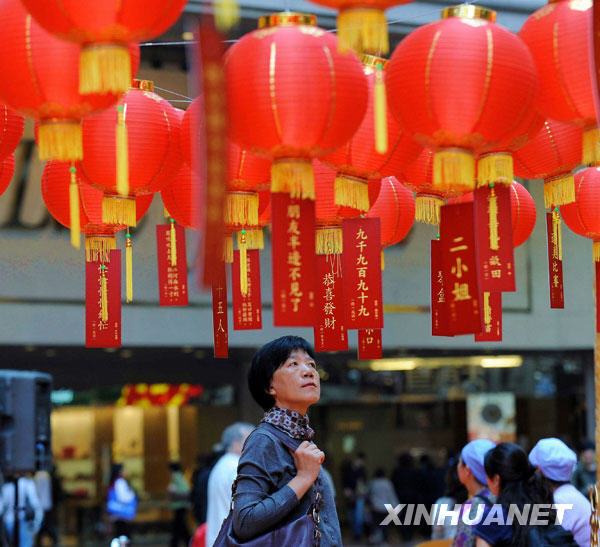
x,y
267,360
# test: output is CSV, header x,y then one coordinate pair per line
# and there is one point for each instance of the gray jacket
x,y
263,501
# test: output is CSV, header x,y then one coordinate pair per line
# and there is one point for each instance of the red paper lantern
x,y
56,182
463,85
358,161
182,199
583,215
11,130
552,155
192,132
559,37
104,30
174,158
395,206
361,24
7,170
522,208
293,97
133,162
43,82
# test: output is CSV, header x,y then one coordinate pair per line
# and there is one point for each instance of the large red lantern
x,y
583,215
104,30
126,150
559,37
395,206
293,97
182,199
57,179
361,24
359,161
552,155
462,86
43,82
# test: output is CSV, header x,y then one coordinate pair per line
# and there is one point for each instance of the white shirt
x,y
43,486
27,492
220,481
577,519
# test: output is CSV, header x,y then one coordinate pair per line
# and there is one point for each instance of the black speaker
x,y
24,421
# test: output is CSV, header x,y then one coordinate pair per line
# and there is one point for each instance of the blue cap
x,y
473,456
554,459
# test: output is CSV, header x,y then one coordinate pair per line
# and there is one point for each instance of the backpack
x,y
550,536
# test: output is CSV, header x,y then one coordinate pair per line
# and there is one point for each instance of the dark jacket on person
x,y
263,501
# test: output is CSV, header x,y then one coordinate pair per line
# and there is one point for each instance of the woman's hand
x,y
308,459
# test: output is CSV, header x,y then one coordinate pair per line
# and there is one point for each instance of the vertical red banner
x,y
247,314
440,315
460,268
219,305
172,267
361,262
293,261
555,265
369,344
330,328
212,49
103,332
491,306
494,239
597,267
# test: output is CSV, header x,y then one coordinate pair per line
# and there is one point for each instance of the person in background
x,y
454,494
471,473
124,494
584,476
406,480
199,492
354,484
44,485
556,461
179,494
222,476
30,512
380,491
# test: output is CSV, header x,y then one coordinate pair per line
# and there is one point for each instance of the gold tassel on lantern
x,y
495,168
382,261
60,140
559,190
128,268
227,14
294,177
173,236
242,248
74,209
493,225
596,251
329,240
122,152
557,233
351,192
103,294
255,240
98,247
591,146
104,68
228,249
363,30
119,210
380,109
454,168
241,208
428,209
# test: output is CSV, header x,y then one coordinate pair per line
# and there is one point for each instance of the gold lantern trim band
x,y
60,140
104,68
364,30
468,11
329,240
495,168
293,176
287,18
